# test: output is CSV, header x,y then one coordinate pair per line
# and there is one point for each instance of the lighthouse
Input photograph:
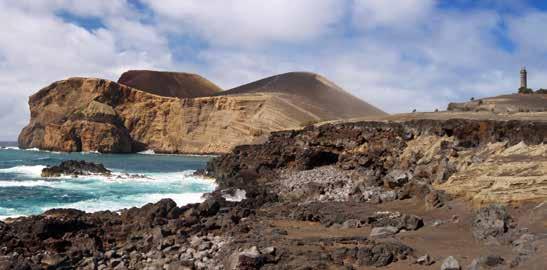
x,y
523,78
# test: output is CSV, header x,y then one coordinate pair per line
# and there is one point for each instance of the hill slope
x,y
169,84
504,103
311,92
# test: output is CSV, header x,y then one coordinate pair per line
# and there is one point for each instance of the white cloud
x,y
247,22
37,48
401,13
529,32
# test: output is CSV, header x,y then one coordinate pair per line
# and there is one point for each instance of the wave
x,y
89,152
236,195
27,183
147,152
35,171
124,202
6,212
10,148
27,170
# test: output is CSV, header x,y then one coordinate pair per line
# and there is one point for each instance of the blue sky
x,y
398,55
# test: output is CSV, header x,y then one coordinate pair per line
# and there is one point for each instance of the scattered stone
x,y
525,245
450,263
247,259
396,219
378,232
425,260
433,200
397,179
379,254
351,223
437,223
486,262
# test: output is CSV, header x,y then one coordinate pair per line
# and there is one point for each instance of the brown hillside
x,y
310,92
504,103
169,84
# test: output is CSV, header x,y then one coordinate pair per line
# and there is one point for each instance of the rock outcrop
x,y
382,161
84,114
75,168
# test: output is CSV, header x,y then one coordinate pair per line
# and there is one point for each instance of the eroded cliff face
x,y
82,114
485,161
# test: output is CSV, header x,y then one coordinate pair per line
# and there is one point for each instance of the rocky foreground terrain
x,y
178,112
420,194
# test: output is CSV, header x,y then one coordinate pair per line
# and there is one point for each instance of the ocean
x,y
137,179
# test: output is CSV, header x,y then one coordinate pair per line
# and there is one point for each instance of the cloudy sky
x,y
396,54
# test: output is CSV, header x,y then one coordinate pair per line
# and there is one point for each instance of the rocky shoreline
x,y
344,196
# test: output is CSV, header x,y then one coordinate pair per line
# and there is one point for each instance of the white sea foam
x,y
11,148
26,183
9,216
6,212
147,152
27,170
35,171
138,200
237,196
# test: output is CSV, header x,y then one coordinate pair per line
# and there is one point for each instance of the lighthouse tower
x,y
523,78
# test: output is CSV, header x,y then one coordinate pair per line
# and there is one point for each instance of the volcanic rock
x,y
450,263
491,222
75,168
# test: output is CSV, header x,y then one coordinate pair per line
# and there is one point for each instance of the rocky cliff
x,y
85,114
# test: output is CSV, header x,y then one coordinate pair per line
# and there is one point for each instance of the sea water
x,y
137,179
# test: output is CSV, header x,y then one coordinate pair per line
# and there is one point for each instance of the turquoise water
x,y
137,179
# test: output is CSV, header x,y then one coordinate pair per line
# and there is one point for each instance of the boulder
x,y
486,262
492,221
75,168
209,207
383,231
379,254
425,260
248,259
397,179
397,220
433,200
450,263
524,245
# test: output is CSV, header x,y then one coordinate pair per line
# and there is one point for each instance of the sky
x,y
398,55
